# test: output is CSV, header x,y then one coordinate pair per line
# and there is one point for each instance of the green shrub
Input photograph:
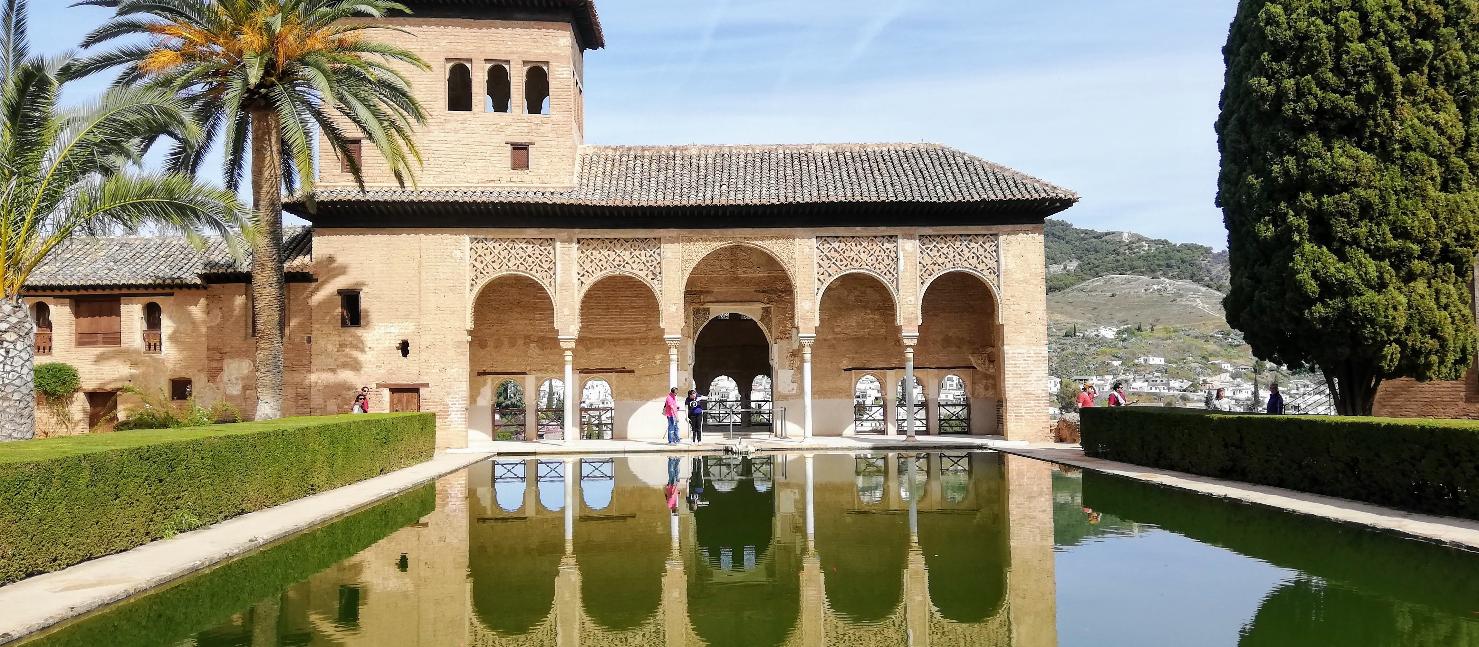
x,y
67,500
1414,464
157,411
173,615
57,380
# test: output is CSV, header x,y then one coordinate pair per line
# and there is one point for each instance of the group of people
x,y
1087,394
693,407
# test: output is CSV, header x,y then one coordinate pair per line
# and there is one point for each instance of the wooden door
x,y
102,409
405,400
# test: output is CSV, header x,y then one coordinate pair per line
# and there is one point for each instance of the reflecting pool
x,y
837,549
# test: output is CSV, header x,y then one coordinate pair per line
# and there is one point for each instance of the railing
x,y
1315,402
955,418
153,341
868,419
551,421
760,412
597,423
509,420
43,342
720,413
921,415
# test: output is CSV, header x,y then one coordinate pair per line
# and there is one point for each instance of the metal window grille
x,y
597,423
955,418
868,418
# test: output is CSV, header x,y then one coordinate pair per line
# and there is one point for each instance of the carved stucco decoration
x,y
637,257
876,255
978,253
532,257
782,249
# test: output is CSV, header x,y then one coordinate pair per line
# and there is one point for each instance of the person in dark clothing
x,y
1275,400
694,403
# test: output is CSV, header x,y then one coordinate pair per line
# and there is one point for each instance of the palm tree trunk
x,y
17,381
267,278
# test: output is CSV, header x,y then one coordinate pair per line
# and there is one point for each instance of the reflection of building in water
x,y
782,550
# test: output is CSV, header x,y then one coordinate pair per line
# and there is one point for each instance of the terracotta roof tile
x,y
149,261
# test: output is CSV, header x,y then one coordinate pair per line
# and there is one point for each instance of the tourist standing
x,y
1117,396
1085,396
1220,401
1275,400
694,403
361,401
670,409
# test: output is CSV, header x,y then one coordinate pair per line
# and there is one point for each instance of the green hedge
x,y
1414,464
68,500
175,614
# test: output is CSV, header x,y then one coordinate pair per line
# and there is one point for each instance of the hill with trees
x,y
1077,255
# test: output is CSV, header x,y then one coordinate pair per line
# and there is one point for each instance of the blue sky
x,y
1114,100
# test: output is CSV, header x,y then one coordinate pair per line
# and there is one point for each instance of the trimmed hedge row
x,y
68,500
1420,465
209,599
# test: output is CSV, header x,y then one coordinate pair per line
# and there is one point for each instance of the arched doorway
x,y
921,408
731,346
959,332
739,307
513,339
857,333
551,409
868,416
597,410
953,407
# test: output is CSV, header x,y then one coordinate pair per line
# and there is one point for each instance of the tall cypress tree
x,y
1349,136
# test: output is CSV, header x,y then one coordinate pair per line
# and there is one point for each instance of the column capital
x,y
806,339
673,341
910,341
567,343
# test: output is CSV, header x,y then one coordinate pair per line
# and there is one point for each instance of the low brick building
x,y
531,285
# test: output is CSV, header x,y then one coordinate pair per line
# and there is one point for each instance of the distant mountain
x,y
1076,255
1127,300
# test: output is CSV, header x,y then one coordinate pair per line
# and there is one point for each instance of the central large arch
x,y
621,342
739,307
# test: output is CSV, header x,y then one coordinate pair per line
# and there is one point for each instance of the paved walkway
x,y
45,600
1451,531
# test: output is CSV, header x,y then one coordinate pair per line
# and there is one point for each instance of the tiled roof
x,y
729,176
145,261
582,13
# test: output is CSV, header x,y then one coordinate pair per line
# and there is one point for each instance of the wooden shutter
x,y
98,322
402,400
102,410
519,157
354,149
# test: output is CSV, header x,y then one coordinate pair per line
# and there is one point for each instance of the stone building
x,y
531,285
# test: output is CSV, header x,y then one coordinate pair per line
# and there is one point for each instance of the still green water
x,y
881,549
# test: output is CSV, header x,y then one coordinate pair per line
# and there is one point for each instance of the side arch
x,y
988,282
887,286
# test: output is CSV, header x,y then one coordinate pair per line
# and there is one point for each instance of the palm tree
x,y
271,71
74,171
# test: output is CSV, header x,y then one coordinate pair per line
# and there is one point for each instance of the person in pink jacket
x,y
670,409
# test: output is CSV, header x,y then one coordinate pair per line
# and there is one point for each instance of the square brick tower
x,y
502,92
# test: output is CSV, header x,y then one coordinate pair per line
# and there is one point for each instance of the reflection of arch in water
x,y
513,574
621,551
967,554
509,484
597,482
863,549
743,587
551,483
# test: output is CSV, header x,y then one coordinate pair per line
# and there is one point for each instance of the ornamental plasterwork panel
x,y
877,255
939,254
783,249
602,257
491,257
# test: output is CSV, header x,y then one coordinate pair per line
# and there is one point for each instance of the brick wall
x,y
1024,335
1407,398
472,148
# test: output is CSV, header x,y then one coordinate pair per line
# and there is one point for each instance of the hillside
x,y
1121,300
1076,255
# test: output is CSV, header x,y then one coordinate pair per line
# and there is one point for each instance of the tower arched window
x,y
153,328
41,316
536,90
500,92
459,88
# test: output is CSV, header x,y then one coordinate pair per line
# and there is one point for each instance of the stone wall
x,y
1407,398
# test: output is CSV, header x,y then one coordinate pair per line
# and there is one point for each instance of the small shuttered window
x,y
519,157
98,322
349,309
353,151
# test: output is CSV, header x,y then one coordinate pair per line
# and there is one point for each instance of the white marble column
x,y
806,425
909,383
672,343
572,425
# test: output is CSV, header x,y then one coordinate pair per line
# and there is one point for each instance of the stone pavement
x,y
1450,531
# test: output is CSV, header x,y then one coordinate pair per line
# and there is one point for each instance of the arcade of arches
x,y
816,333
831,549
